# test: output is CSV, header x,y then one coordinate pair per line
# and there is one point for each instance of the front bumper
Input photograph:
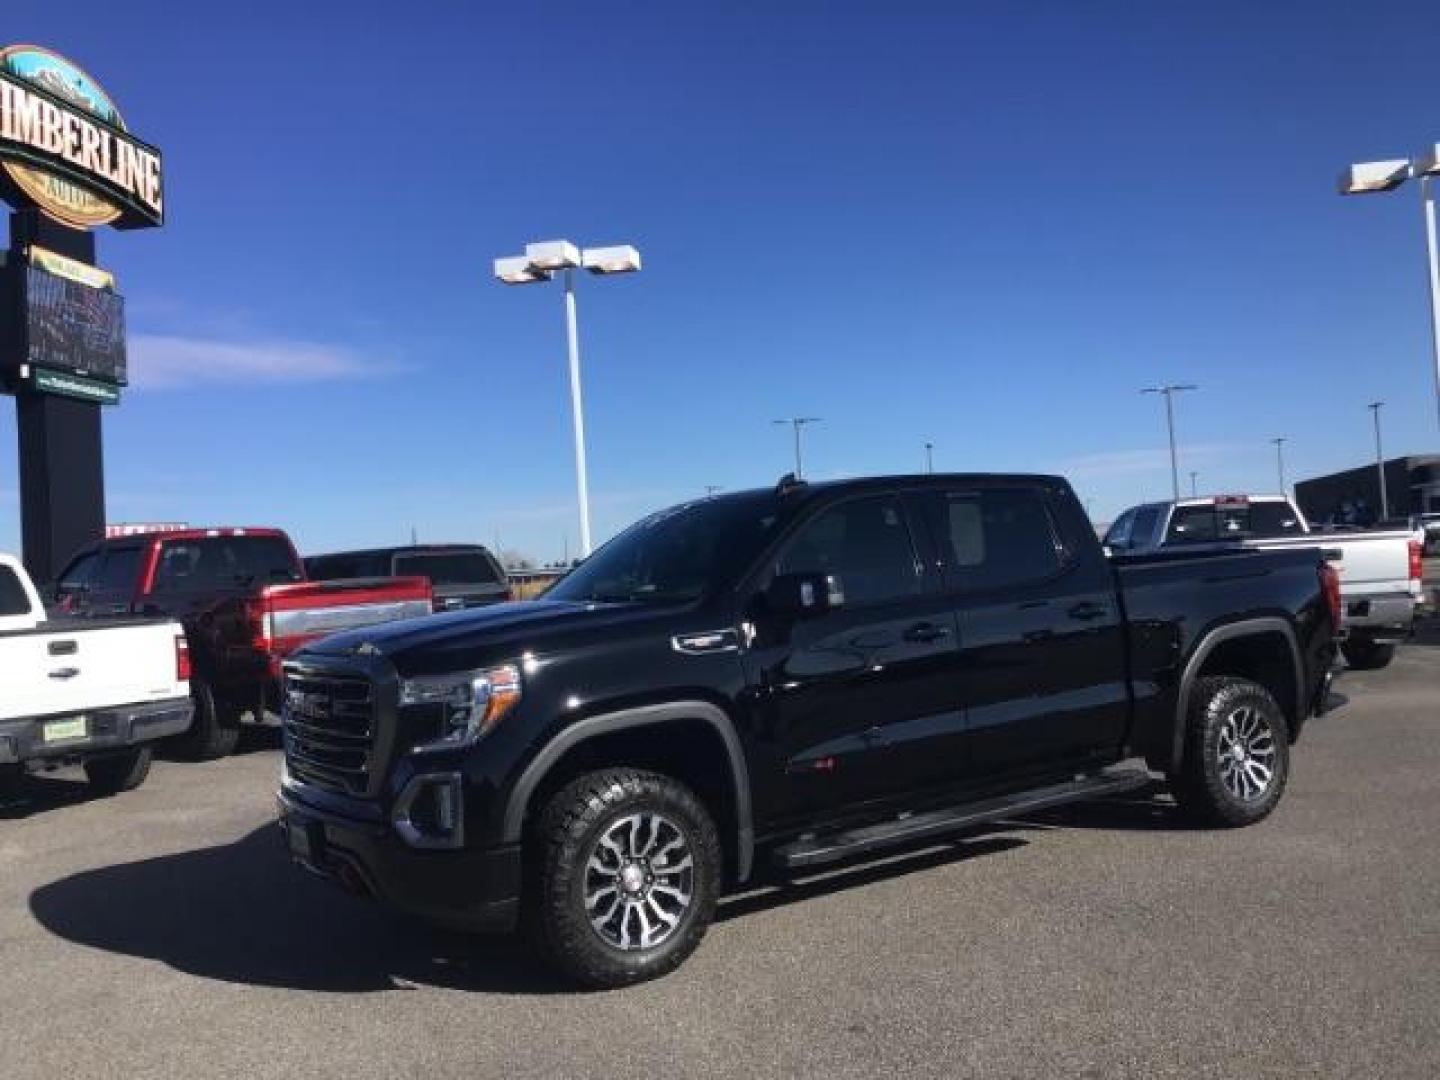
x,y
115,728
463,888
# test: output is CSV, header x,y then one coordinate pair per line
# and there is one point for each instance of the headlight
x,y
470,703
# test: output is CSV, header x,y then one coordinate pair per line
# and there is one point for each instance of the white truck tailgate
x,y
67,668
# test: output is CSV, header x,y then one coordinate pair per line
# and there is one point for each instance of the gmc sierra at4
x,y
96,694
242,597
795,675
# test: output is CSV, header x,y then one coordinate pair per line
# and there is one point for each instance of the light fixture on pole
x,y
798,422
540,263
1374,408
1193,474
929,457
1279,442
1168,391
1374,177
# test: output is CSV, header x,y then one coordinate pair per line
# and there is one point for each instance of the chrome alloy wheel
x,y
1246,754
639,881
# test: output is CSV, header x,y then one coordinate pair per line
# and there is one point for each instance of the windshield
x,y
449,568
677,555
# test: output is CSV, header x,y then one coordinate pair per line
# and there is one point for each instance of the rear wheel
x,y
1362,654
214,731
114,773
627,877
1236,756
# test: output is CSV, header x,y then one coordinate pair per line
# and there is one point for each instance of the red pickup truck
x,y
245,603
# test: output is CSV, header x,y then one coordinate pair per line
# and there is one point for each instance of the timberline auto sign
x,y
64,145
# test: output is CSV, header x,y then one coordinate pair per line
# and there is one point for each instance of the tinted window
x,y
1201,524
78,574
13,599
224,562
678,554
865,544
119,570
449,568
1142,533
1192,525
1269,519
334,567
1119,534
999,538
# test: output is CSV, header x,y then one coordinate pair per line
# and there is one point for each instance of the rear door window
x,y
118,571
1142,533
1000,538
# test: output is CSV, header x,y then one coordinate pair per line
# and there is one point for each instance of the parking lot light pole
x,y
1279,442
929,457
1193,474
1375,177
1380,461
798,422
540,263
1168,391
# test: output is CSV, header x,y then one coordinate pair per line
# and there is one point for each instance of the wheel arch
x,y
1273,660
598,732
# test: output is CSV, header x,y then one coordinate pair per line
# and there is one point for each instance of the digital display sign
x,y
72,326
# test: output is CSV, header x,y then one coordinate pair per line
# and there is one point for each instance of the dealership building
x,y
1352,497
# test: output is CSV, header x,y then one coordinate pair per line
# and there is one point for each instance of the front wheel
x,y
114,773
1236,756
628,870
1365,655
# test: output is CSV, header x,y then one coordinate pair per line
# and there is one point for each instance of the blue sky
x,y
982,225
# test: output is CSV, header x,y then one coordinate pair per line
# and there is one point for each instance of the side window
x,y
119,570
1000,538
1142,532
79,573
1119,535
865,544
13,599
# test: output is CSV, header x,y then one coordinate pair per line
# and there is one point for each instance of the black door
x,y
830,690
1042,658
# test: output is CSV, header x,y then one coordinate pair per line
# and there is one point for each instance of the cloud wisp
x,y
166,361
1125,462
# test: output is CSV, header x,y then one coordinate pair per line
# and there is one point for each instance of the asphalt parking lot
x,y
163,934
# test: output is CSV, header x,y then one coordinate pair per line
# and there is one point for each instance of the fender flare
x,y
626,719
1208,644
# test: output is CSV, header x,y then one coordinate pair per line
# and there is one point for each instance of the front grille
x,y
330,731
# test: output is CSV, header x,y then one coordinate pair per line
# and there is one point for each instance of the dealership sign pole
x,y
68,164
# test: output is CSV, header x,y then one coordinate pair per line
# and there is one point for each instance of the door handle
x,y
926,632
1087,610
65,673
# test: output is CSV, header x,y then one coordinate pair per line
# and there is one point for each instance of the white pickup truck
x,y
1380,571
86,692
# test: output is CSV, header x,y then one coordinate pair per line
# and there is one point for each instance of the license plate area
x,y
58,731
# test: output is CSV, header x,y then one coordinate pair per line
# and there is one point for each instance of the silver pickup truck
x,y
1380,571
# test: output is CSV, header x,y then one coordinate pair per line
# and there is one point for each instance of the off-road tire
x,y
1199,786
114,773
215,730
1365,655
566,833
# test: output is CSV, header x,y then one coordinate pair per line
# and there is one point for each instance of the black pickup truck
x,y
798,675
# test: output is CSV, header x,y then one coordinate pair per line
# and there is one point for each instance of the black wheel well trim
x,y
1256,627
643,716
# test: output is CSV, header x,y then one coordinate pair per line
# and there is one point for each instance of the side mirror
x,y
804,596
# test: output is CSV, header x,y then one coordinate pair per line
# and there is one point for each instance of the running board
x,y
832,847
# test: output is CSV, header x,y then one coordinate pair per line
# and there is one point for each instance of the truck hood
x,y
457,640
